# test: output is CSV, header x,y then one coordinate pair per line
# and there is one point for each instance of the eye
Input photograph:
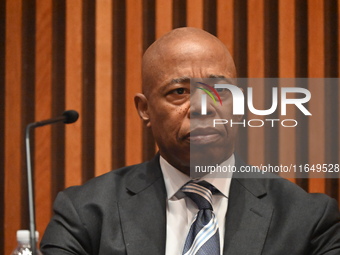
x,y
222,90
178,95
179,91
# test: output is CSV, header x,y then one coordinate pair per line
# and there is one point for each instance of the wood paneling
x,y
225,23
256,69
316,69
286,62
13,135
73,91
103,113
195,16
58,94
2,118
134,45
86,55
119,80
43,110
164,21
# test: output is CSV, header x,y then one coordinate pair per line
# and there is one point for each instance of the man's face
x,y
174,106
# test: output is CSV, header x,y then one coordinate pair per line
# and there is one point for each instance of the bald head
x,y
187,43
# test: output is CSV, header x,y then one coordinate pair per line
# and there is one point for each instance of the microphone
x,y
67,117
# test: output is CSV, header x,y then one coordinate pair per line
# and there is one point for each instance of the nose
x,y
197,102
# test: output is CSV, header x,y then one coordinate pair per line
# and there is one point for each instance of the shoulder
x,y
310,211
111,186
283,194
289,202
116,185
282,191
306,216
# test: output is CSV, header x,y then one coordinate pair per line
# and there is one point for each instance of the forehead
x,y
212,77
191,58
184,59
184,68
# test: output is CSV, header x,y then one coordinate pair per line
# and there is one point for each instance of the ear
x,y
141,103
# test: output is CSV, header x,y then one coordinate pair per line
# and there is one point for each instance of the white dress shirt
x,y
181,210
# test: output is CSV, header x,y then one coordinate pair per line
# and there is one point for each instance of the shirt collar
x,y
175,179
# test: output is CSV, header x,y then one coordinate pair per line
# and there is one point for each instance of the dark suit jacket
x,y
124,212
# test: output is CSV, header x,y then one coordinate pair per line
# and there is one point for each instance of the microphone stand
x,y
30,189
67,117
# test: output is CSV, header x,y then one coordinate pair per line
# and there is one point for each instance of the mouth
x,y
203,136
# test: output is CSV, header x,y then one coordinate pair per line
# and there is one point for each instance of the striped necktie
x,y
203,237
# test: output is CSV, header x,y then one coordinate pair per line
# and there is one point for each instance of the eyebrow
x,y
216,76
182,79
186,79
228,80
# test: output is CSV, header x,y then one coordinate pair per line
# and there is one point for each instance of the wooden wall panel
x,y
73,91
179,13
286,62
43,110
58,94
86,55
2,118
119,88
331,91
195,16
164,20
256,69
316,62
240,54
13,126
88,120
103,113
301,70
225,23
287,39
134,44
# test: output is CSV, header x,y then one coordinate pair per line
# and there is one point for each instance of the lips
x,y
203,136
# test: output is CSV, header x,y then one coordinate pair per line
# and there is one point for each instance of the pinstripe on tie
x,y
203,237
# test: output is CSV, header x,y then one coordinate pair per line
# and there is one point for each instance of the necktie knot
x,y
200,193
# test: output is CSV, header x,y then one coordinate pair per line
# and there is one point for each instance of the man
x,y
146,208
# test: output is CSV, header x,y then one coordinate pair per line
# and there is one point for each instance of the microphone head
x,y
70,116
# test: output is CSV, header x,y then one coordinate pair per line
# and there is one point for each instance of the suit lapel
x,y
145,234
248,218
